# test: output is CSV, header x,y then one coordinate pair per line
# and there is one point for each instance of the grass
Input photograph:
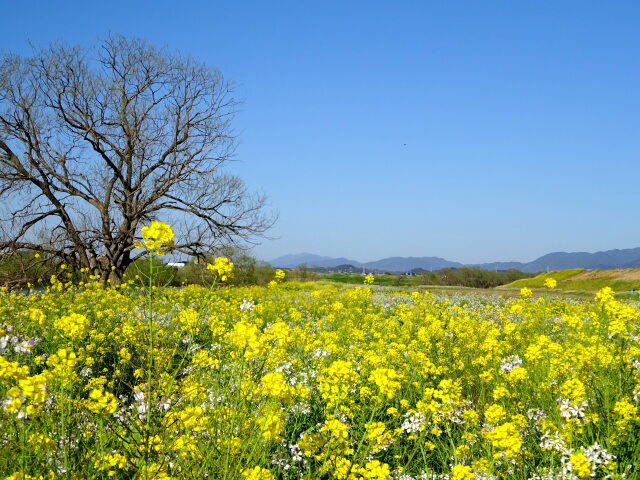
x,y
383,279
579,279
538,281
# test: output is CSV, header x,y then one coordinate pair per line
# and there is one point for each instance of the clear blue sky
x,y
521,119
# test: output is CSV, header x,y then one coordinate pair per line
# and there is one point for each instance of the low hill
x,y
609,259
618,258
405,264
310,260
619,279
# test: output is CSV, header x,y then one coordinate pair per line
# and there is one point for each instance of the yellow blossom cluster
x,y
101,401
223,267
157,238
73,326
279,276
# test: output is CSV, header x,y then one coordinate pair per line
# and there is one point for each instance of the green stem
x,y
150,366
360,443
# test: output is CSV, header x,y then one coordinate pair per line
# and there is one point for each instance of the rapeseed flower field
x,y
310,381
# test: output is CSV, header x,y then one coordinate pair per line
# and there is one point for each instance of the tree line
x,y
29,268
473,277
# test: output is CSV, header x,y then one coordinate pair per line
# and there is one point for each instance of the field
x,y
312,381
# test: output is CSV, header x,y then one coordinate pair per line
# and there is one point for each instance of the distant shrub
x,y
140,271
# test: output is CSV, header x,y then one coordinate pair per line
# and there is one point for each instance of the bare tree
x,y
94,143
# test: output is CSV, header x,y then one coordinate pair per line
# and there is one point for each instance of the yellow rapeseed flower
x,y
506,438
75,325
157,238
257,473
462,472
223,267
279,276
101,401
580,466
526,292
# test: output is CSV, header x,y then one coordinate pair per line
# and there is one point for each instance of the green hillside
x,y
620,280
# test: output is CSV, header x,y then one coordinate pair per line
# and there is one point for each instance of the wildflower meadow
x,y
313,381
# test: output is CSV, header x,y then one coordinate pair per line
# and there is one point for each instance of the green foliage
x,y
246,269
23,267
574,280
303,274
598,283
538,280
430,278
355,279
140,271
194,273
472,277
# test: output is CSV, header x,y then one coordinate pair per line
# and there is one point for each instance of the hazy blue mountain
x,y
310,260
633,264
599,260
618,258
404,264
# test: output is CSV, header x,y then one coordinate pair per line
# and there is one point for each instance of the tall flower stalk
x,y
157,238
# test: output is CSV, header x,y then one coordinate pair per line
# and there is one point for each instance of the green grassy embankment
x,y
579,279
383,279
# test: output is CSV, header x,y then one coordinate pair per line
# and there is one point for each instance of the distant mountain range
x,y
625,258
